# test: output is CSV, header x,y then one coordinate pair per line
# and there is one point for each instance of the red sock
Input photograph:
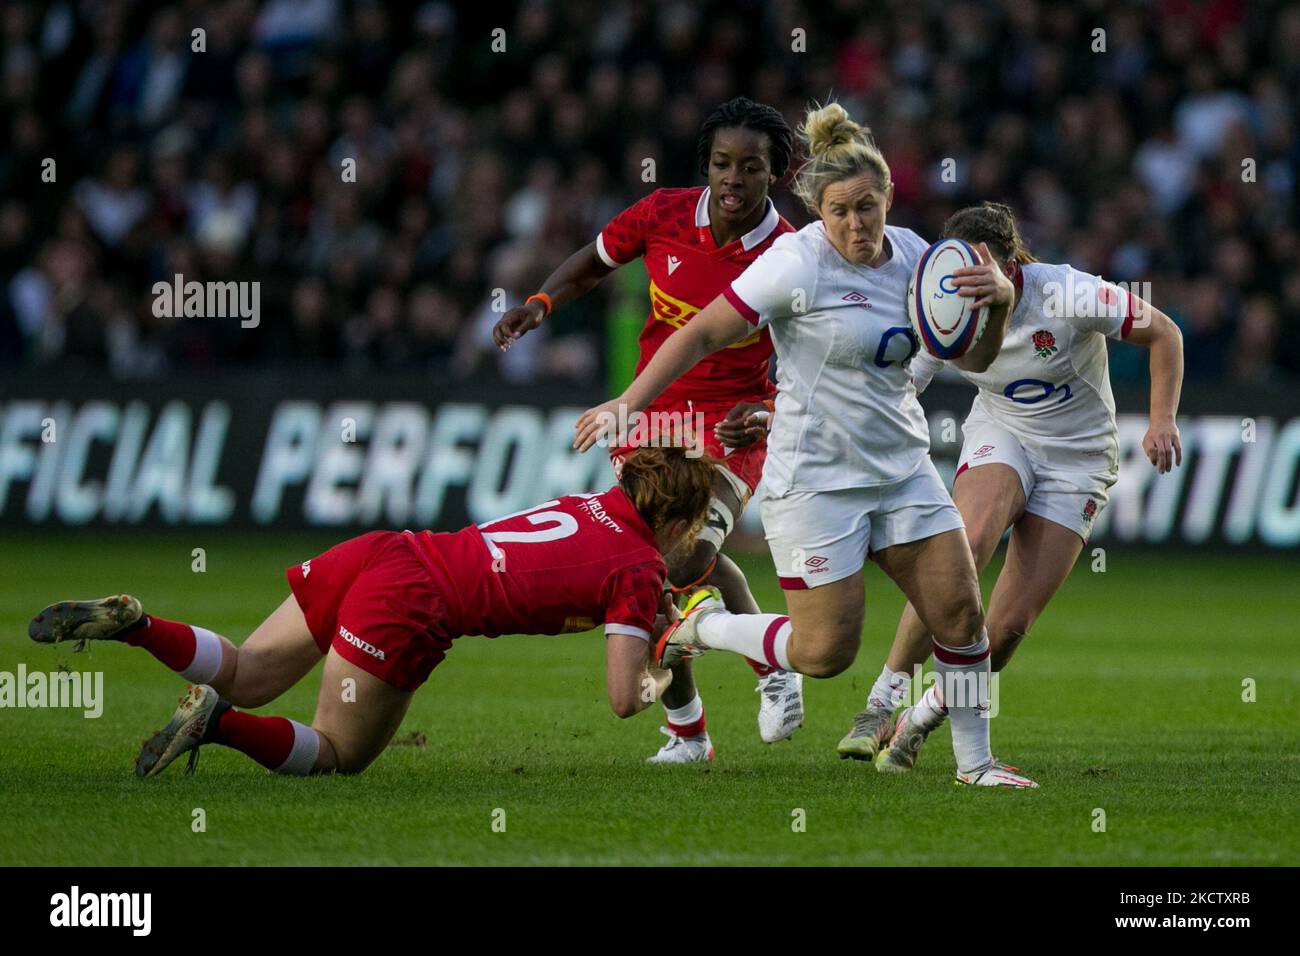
x,y
170,641
762,670
268,740
691,728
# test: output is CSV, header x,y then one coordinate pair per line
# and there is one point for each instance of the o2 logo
x,y
946,287
893,349
1031,391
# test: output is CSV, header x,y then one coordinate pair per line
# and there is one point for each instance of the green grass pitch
x,y
1126,698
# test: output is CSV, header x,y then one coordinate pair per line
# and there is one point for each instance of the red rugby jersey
x,y
564,565
670,229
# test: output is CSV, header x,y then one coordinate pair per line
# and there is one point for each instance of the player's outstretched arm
x,y
1155,331
718,326
575,277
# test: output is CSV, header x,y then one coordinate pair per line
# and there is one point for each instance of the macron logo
x,y
359,644
673,263
306,568
132,910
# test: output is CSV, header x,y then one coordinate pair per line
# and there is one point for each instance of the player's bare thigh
x,y
990,498
275,657
938,577
1039,559
826,626
356,716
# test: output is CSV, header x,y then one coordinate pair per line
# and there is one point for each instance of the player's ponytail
x,y
838,148
992,223
667,486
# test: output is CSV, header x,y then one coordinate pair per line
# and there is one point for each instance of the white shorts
x,y
819,537
1072,499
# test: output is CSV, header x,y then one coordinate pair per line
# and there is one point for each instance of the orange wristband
x,y
696,583
541,297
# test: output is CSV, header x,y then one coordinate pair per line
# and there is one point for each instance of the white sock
x,y
686,719
688,713
965,675
760,637
306,748
929,711
207,657
889,689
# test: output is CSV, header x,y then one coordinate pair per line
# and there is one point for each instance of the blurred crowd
x,y
1162,149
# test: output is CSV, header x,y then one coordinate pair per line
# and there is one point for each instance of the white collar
x,y
750,239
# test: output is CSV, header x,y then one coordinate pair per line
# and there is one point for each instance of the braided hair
x,y
744,113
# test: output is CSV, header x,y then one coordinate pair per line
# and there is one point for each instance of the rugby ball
x,y
945,323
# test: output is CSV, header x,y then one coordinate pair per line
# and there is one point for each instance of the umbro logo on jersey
x,y
673,263
855,298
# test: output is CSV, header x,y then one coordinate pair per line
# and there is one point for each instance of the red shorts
x,y
372,600
745,463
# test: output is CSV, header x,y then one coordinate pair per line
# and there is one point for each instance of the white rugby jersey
x,y
1050,383
846,409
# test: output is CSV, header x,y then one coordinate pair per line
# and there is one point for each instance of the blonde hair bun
x,y
838,148
828,128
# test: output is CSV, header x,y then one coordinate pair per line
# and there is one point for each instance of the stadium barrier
x,y
296,450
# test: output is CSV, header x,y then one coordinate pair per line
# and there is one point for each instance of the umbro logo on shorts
x,y
360,644
982,451
817,563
